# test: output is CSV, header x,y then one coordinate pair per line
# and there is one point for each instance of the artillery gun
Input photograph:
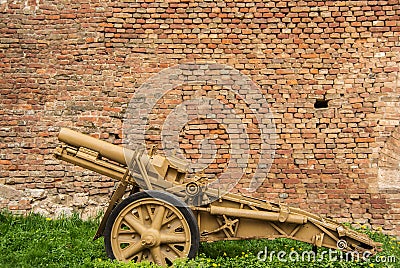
x,y
165,217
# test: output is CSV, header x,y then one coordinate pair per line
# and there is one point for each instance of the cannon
x,y
157,214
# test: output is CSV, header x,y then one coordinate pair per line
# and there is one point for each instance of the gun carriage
x,y
166,217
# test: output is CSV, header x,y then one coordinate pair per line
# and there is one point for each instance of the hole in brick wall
x,y
114,136
321,104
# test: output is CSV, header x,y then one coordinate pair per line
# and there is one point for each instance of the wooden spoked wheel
x,y
153,226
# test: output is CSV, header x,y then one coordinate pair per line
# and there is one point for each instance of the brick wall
x,y
77,63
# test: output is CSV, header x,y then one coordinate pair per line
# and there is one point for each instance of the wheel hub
x,y
150,239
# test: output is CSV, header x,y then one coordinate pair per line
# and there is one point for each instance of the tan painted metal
x,y
147,241
258,215
105,149
229,217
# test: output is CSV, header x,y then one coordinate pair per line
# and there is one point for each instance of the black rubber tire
x,y
165,197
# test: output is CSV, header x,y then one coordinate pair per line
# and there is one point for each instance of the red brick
x,y
82,69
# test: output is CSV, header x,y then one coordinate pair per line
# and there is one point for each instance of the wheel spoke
x,y
157,255
134,223
172,255
169,219
132,250
148,209
141,215
140,256
177,252
158,218
172,238
122,231
176,224
125,238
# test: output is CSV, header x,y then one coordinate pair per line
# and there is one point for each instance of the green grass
x,y
36,241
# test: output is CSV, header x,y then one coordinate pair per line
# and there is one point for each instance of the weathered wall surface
x,y
77,64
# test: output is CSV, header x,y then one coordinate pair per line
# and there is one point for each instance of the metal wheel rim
x,y
152,230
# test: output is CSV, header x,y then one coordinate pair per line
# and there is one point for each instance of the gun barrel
x,y
105,149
